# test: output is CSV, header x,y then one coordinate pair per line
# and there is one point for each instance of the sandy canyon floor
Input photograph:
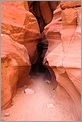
x,y
38,105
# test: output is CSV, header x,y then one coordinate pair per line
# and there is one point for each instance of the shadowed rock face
x,y
43,11
61,24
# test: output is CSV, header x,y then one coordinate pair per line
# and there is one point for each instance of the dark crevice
x,y
38,67
42,46
34,8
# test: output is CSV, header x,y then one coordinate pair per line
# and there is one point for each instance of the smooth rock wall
x,y
64,54
20,34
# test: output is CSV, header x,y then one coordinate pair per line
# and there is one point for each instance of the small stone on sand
x,y
47,81
28,91
50,106
7,114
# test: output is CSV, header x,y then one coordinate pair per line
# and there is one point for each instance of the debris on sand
x,y
50,106
47,81
54,89
7,114
28,91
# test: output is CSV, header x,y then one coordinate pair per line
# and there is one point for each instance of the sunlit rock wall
x,y
64,54
20,34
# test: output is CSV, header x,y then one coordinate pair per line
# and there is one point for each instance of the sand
x,y
41,105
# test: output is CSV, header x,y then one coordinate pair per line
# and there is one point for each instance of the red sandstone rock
x,y
30,3
37,11
64,56
45,11
69,16
19,28
70,4
53,4
20,25
52,31
13,56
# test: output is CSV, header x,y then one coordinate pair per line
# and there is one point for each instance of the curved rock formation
x,y
13,56
20,34
43,11
20,25
64,55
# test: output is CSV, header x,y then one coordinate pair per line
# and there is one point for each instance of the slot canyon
x,y
41,60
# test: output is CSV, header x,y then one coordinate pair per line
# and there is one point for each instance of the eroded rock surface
x,y
43,11
64,54
20,34
13,56
71,4
20,25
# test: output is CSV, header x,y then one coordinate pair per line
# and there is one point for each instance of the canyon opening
x,y
41,60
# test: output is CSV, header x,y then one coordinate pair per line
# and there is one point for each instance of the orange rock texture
x,y
64,54
61,24
20,34
43,11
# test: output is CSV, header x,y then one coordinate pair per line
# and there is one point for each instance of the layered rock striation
x,y
64,54
20,35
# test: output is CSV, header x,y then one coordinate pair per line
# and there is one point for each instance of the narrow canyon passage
x,y
40,105
41,61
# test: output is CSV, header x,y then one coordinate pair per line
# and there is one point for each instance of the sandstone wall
x,y
64,54
43,11
20,34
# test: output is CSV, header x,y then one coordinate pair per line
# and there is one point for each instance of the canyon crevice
x,y
22,26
